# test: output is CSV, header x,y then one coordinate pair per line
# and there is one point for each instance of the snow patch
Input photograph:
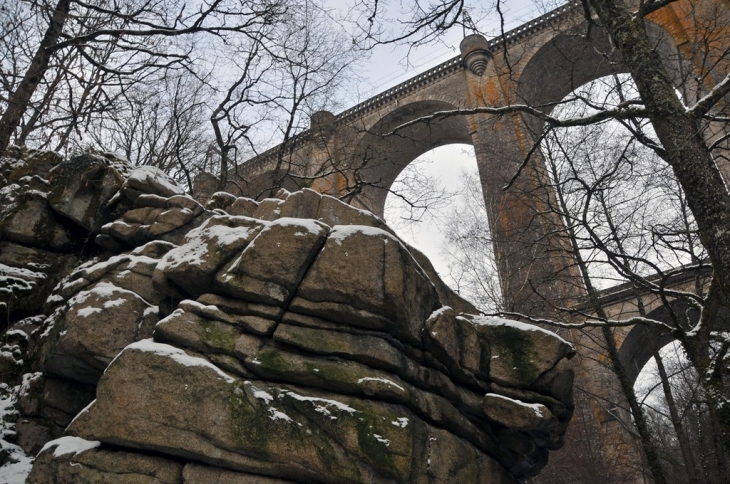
x,y
113,303
324,401
401,422
177,355
86,312
267,398
535,407
381,439
18,466
151,310
275,414
382,380
69,444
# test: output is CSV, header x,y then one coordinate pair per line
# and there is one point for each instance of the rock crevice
x,y
295,339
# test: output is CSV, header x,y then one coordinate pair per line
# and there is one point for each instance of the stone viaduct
x,y
357,154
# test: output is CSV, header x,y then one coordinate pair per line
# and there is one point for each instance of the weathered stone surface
x,y
516,414
173,218
242,308
252,323
189,330
320,437
290,349
94,328
269,209
243,206
366,277
27,277
152,180
130,234
18,162
25,218
193,265
33,433
457,343
144,215
220,200
557,382
301,204
520,352
271,267
161,211
150,200
83,187
70,460
335,212
199,474
185,202
369,350
11,366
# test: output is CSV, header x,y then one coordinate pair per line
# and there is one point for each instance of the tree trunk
x,y
687,153
19,100
693,474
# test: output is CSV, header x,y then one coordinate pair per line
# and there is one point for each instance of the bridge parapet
x,y
406,87
455,64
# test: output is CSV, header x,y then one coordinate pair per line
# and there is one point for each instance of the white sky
x,y
447,163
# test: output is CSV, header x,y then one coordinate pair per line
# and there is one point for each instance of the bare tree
x,y
161,125
121,41
468,249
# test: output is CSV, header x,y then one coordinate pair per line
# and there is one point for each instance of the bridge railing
x,y
452,65
496,44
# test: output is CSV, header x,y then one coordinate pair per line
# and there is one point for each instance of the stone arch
x,y
381,154
570,59
636,349
564,63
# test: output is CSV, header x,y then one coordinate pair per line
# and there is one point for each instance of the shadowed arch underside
x,y
385,150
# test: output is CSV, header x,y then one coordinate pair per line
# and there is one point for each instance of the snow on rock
x,y
401,422
341,232
177,355
535,407
382,380
321,404
375,375
517,414
17,464
70,445
151,179
197,248
496,321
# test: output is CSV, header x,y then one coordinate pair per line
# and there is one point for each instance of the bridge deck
x,y
496,45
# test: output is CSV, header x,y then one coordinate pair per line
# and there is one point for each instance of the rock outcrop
x,y
296,339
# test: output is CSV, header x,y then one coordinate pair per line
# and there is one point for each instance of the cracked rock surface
x,y
292,340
